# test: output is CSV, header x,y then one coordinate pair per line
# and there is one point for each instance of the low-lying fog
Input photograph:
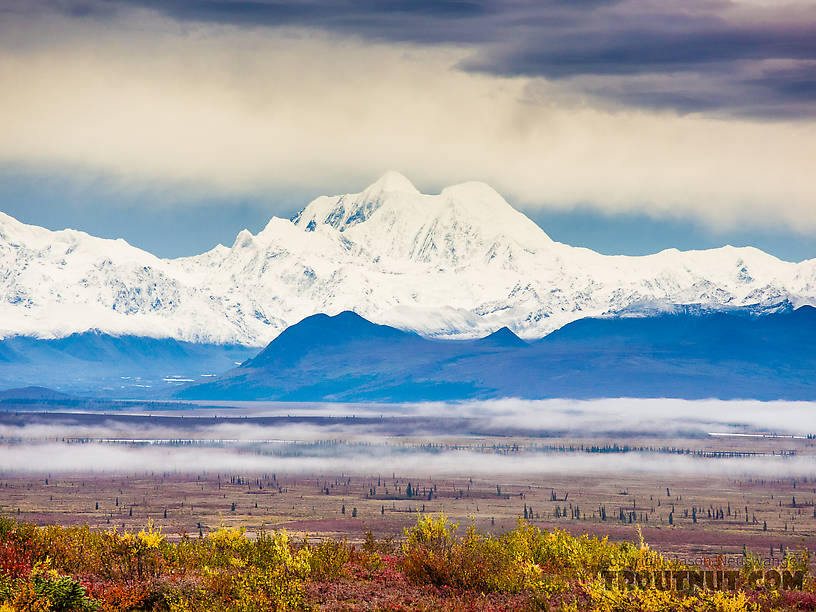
x,y
381,438
57,458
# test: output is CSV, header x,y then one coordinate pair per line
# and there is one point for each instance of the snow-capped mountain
x,y
461,263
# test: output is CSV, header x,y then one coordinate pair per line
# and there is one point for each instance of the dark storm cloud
x,y
403,20
797,83
697,56
638,50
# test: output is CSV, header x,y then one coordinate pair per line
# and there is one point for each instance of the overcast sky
x,y
627,126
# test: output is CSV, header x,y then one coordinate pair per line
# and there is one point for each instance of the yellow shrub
x,y
652,600
328,558
258,576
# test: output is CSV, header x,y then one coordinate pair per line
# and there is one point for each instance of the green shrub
x,y
46,589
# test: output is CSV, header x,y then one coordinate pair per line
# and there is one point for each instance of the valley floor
x,y
355,493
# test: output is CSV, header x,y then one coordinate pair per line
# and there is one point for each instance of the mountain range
x,y
459,264
682,355
96,364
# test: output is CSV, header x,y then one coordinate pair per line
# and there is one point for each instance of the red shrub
x,y
116,596
798,600
16,560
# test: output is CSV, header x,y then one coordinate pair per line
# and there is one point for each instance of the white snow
x,y
462,263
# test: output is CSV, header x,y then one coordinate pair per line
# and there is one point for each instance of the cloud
x,y
213,105
717,43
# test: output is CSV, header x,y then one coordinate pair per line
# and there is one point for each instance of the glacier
x,y
459,264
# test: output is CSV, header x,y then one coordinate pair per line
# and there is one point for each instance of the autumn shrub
x,y
16,560
796,562
47,590
434,554
428,551
246,575
653,600
750,563
115,596
52,569
383,546
585,557
798,600
328,558
7,524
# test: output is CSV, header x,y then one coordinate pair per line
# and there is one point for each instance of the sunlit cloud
x,y
218,106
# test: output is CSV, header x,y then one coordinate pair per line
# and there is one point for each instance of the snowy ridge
x,y
462,263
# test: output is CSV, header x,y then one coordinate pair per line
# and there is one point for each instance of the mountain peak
x,y
322,330
465,223
344,211
243,240
32,393
503,337
391,181
475,191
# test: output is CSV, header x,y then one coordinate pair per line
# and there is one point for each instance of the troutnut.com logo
x,y
718,580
